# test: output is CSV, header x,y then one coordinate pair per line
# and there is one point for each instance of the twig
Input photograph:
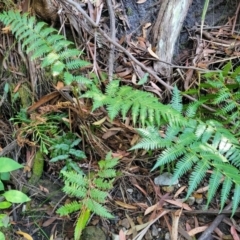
x,y
207,233
112,47
9,148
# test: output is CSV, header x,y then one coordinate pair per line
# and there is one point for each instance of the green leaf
x,y
5,205
4,220
15,196
5,176
2,237
8,165
81,222
1,186
143,80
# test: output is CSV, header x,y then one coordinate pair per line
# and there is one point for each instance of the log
x,y
166,31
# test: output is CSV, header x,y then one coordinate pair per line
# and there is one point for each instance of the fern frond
x,y
227,184
74,177
142,105
103,184
235,199
69,208
44,42
73,189
197,175
107,173
98,195
214,183
97,208
184,165
176,102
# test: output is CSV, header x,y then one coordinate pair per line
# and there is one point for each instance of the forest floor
x,y
142,208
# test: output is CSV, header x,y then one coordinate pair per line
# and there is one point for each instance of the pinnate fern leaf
x,y
44,42
142,105
69,208
197,146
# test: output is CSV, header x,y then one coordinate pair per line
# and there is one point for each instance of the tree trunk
x,y
166,31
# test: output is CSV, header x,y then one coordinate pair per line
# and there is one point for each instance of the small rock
x,y
125,223
93,233
191,200
129,190
199,200
167,236
165,179
168,189
154,231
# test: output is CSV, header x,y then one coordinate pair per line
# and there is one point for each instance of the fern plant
x,y
64,148
197,147
193,143
91,191
38,129
144,107
224,96
44,42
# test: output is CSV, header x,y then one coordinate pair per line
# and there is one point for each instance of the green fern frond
x,y
199,146
92,190
111,173
69,208
142,105
235,199
214,183
73,189
97,208
197,175
74,177
151,139
98,195
184,165
176,102
44,42
103,184
227,184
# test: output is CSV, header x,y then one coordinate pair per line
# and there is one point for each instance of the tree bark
x,y
166,31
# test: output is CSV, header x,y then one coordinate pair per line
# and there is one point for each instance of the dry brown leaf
x,y
234,233
109,133
100,122
122,235
43,189
125,73
60,85
179,204
25,235
179,191
197,230
151,209
153,54
175,219
49,221
6,30
42,101
125,205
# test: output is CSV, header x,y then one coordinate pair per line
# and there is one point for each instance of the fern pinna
x,y
44,42
197,147
225,94
91,190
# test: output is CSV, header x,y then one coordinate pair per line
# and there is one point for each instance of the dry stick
x,y
235,18
112,47
207,233
151,72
